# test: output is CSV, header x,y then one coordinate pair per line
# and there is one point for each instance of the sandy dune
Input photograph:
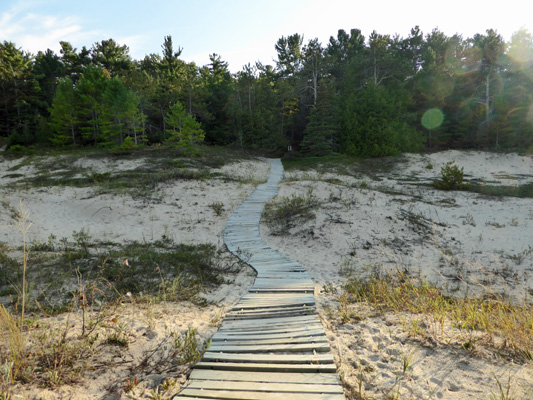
x,y
388,218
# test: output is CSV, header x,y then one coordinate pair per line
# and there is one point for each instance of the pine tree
x,y
63,115
321,132
184,130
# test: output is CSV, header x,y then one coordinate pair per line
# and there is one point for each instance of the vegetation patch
x,y
522,191
486,319
280,215
451,178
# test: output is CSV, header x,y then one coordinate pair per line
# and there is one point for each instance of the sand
x,y
387,218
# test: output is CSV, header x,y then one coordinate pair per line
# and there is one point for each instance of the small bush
x,y
451,178
285,213
127,147
217,207
99,177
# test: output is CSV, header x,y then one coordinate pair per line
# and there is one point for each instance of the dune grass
x,y
479,319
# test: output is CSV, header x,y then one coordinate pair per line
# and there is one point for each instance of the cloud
x,y
34,32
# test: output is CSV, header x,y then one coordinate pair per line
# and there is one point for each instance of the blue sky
x,y
241,31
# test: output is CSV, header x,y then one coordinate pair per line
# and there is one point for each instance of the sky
x,y
242,31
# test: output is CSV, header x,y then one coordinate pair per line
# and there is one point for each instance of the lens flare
x,y
432,118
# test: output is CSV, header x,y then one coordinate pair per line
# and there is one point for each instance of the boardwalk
x,y
271,345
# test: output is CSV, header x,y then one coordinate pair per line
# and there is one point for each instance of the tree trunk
x,y
72,131
487,108
134,130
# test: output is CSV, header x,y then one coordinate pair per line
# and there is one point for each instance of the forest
x,y
363,96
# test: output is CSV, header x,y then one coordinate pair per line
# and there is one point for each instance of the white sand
x,y
354,228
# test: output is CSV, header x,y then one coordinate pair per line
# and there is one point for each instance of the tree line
x,y
373,96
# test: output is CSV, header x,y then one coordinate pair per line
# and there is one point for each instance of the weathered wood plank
x,y
266,330
272,321
272,310
265,305
237,395
288,296
321,338
267,367
281,290
261,304
266,387
268,348
240,315
268,358
268,336
280,377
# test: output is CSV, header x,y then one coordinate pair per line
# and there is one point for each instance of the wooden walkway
x,y
271,345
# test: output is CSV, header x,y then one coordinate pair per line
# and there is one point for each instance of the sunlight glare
x,y
432,118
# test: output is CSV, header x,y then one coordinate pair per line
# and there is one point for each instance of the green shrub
x,y
126,148
451,178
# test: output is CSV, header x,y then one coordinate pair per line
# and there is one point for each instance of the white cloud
x,y
34,32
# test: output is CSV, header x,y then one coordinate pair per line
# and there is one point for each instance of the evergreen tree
x,y
94,122
74,62
375,123
48,70
64,118
18,94
184,130
109,55
321,131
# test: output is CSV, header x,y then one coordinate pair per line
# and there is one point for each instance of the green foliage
x,y
522,191
185,130
127,147
451,178
321,131
361,96
98,110
19,91
63,114
217,207
375,124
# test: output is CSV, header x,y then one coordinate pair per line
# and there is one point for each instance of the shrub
x,y
126,148
283,214
451,178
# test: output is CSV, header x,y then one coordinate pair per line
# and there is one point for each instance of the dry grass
x,y
479,319
283,213
35,353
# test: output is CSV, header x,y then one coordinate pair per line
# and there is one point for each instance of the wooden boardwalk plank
x,y
320,338
303,378
242,315
263,367
268,358
319,347
268,336
279,303
272,321
266,387
278,328
238,395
